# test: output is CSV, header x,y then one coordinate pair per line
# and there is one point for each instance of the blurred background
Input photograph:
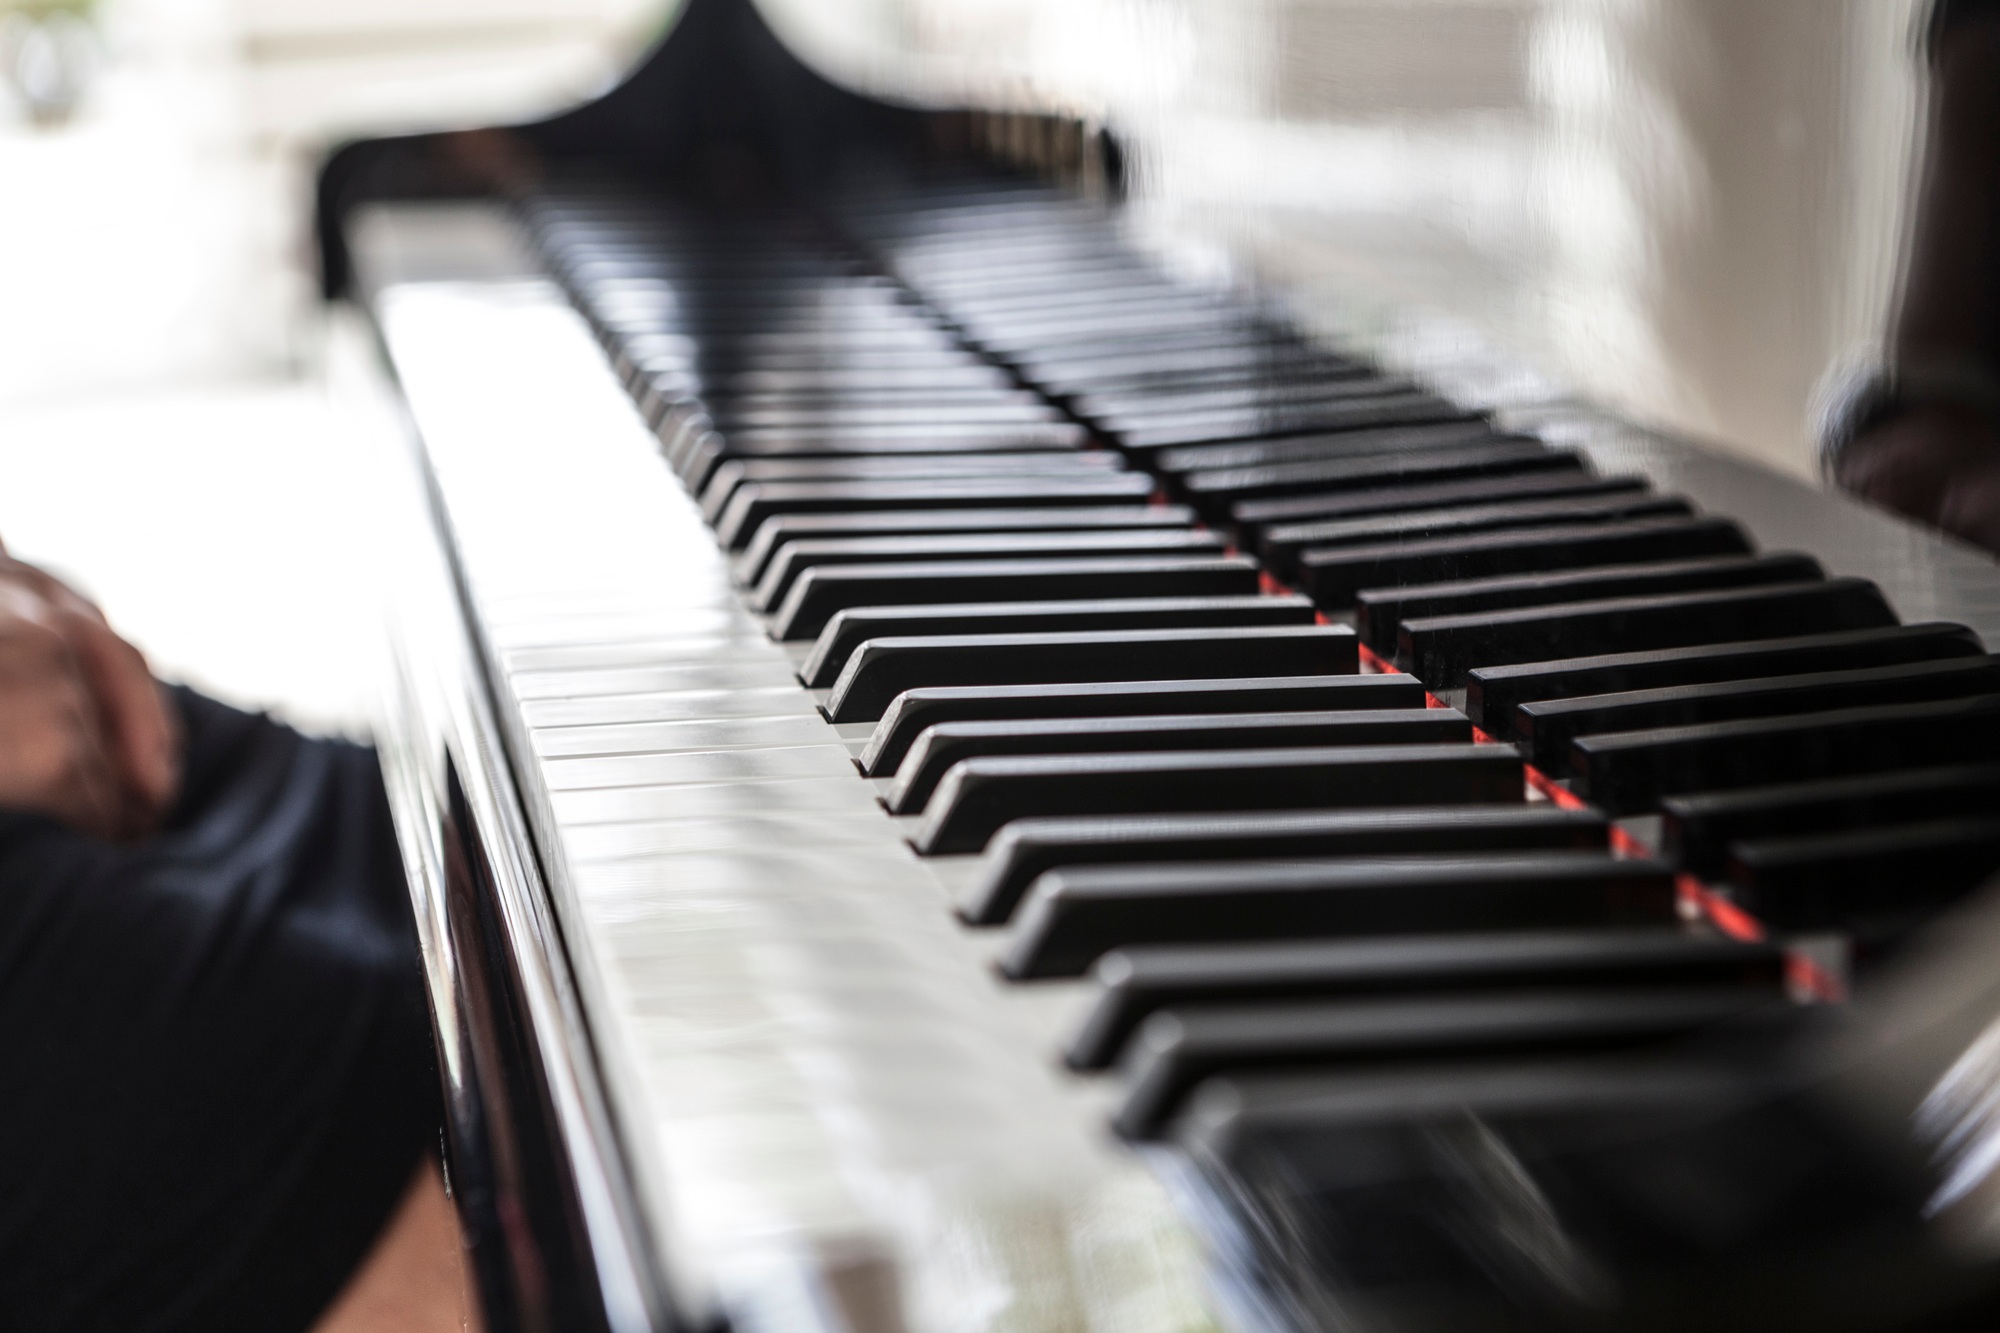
x,y
1689,209
168,437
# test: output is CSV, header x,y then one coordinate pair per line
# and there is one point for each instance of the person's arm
x,y
1927,444
85,735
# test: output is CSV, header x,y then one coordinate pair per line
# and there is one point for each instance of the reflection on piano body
x,y
953,780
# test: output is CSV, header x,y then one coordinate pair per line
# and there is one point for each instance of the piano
x,y
953,779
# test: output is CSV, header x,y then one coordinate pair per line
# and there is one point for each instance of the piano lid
x,y
722,110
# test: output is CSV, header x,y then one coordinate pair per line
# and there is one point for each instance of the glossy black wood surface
x,y
719,111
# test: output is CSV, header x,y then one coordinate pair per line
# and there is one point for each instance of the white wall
x,y
167,439
1689,208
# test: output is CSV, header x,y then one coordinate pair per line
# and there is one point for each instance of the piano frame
x,y
549,1155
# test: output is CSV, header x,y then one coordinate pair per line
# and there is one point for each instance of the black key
x,y
1049,322
695,450
1072,917
1309,448
914,710
1546,727
1492,693
847,349
846,465
1175,375
1251,517
1335,576
980,796
1044,326
1696,830
953,386
1085,346
952,409
1044,319
1627,772
978,265
754,503
1046,314
1282,543
971,376
1196,395
809,527
729,356
1168,429
1041,290
967,381
822,593
1027,847
901,466
836,425
851,628
1116,407
1051,310
1135,983
732,476
881,669
1890,876
1441,649
948,743
952,391
728,360
1077,376
1057,365
1178,1048
1270,409
1215,492
1081,355
1293,1132
853,412
1124,368
1379,612
796,557
1043,334
1093,366
670,377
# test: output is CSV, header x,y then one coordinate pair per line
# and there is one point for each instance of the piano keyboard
x,y
966,440
1097,724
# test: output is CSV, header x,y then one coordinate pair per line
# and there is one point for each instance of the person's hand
x,y
85,735
1939,465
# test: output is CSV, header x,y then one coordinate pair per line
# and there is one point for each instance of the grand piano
x,y
952,778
